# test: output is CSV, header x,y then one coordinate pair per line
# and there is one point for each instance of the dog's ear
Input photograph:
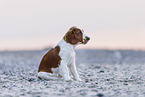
x,y
69,35
72,32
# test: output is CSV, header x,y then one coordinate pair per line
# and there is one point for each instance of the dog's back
x,y
50,60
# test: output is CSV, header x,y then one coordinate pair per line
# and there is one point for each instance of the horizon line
x,y
97,48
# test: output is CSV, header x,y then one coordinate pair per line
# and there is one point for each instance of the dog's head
x,y
76,36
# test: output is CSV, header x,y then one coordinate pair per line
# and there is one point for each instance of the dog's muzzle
x,y
86,40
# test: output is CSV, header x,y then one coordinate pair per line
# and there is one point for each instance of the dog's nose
x,y
88,38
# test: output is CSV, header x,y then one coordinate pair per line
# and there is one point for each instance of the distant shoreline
x,y
46,49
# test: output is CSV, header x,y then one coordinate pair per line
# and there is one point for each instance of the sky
x,y
38,24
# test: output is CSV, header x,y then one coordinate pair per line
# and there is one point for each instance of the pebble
x,y
92,86
107,79
125,84
100,95
86,80
111,79
96,83
98,67
102,71
31,79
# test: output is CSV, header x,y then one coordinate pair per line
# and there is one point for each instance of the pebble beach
x,y
105,73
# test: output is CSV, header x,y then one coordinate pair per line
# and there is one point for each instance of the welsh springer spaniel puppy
x,y
59,60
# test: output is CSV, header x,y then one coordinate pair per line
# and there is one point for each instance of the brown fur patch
x,y
73,36
50,60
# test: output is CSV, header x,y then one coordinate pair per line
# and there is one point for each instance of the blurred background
x,y
38,24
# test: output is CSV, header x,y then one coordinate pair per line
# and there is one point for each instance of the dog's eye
x,y
79,33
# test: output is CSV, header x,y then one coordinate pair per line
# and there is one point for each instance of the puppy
x,y
59,60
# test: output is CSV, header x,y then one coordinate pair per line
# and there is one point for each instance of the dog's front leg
x,y
63,70
74,71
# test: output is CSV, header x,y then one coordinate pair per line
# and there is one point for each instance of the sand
x,y
105,73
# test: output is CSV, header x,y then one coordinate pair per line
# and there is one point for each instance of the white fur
x,y
67,55
84,37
